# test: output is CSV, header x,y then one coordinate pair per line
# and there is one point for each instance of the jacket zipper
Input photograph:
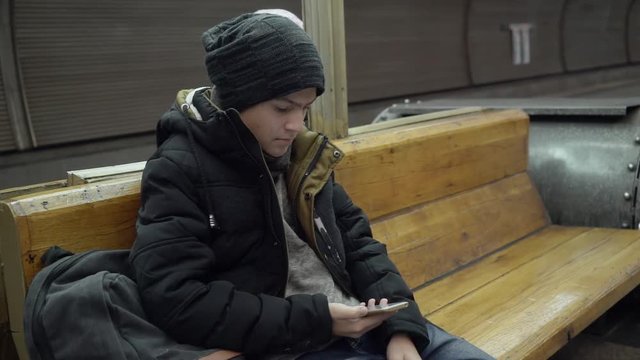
x,y
322,230
273,189
334,254
271,224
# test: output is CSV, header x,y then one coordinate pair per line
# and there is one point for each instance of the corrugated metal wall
x,y
595,33
107,68
94,69
6,133
404,47
633,31
490,39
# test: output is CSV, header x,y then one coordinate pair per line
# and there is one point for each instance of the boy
x,y
245,241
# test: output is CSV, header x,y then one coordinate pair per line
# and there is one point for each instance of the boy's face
x,y
275,123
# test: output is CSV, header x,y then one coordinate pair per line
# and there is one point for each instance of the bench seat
x,y
451,199
478,247
528,300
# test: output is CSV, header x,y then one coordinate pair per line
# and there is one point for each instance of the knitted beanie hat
x,y
258,57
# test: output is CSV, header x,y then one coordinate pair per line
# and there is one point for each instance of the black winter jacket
x,y
210,256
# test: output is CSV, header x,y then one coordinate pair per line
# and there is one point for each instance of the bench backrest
x,y
77,218
444,193
440,194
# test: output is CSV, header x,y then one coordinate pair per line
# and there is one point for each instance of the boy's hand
x,y
351,321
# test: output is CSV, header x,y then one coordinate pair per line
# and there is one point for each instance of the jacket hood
x,y
190,105
221,132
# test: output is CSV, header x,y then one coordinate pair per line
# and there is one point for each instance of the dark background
x,y
83,82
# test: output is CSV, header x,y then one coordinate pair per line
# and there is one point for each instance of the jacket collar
x,y
313,159
219,132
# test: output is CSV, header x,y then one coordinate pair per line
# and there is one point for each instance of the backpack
x,y
85,306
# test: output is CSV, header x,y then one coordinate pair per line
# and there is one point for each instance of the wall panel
x,y
490,38
107,68
7,141
595,33
633,31
397,48
95,69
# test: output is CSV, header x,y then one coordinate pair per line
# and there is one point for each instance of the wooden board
x,y
528,300
76,218
432,239
84,176
401,167
30,189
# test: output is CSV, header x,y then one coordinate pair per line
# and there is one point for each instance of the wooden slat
x,y
538,293
324,21
10,249
402,167
408,120
84,176
30,189
457,285
77,218
105,224
433,239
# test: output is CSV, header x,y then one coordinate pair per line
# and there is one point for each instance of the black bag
x,y
85,306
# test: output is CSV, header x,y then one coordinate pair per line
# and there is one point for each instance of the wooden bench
x,y
452,200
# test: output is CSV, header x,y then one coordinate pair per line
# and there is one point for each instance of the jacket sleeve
x,y
175,269
373,274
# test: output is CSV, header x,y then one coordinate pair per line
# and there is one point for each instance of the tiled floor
x,y
615,336
589,347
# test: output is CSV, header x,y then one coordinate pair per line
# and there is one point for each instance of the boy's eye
x,y
282,109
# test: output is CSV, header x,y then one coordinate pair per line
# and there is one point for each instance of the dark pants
x,y
443,346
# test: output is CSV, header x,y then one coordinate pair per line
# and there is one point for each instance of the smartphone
x,y
391,307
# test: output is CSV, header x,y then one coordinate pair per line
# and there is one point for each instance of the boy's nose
x,y
295,122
